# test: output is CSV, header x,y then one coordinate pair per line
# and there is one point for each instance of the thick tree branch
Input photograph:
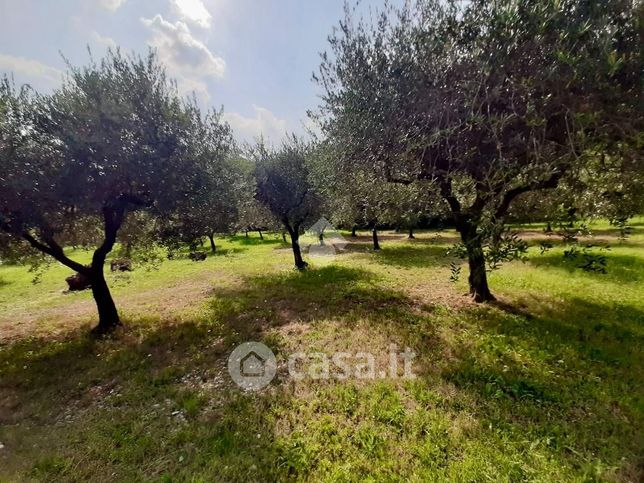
x,y
446,193
287,225
133,200
113,219
53,249
510,195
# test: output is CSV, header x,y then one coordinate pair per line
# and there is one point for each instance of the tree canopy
x,y
488,100
115,138
285,187
433,107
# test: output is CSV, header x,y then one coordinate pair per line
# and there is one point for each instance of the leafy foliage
x,y
285,187
489,100
114,139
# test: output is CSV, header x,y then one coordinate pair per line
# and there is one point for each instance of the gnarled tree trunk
x,y
374,235
300,264
411,232
213,247
477,278
108,317
113,215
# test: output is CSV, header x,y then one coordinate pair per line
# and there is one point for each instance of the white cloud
x,y
264,123
111,5
80,25
199,88
193,11
102,40
30,70
184,54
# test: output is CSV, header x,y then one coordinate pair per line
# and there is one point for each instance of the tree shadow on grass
x,y
603,333
535,239
619,268
222,252
414,256
155,399
269,239
382,237
508,360
44,364
633,229
258,303
566,372
143,404
436,238
184,252
332,291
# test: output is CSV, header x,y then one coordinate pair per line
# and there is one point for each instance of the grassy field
x,y
545,385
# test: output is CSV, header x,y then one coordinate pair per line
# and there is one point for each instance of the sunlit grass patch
x,y
544,385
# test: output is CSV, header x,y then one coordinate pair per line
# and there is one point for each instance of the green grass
x,y
546,385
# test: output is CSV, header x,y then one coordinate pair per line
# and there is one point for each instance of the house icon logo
x,y
252,366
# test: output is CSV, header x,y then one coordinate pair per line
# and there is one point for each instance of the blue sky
x,y
254,57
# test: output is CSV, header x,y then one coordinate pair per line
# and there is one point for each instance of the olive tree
x,y
115,138
285,187
487,100
214,207
350,198
407,204
255,216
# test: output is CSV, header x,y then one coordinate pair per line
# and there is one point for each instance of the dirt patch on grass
x,y
162,302
430,295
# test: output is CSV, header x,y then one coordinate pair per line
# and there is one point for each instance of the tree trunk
x,y
376,244
478,276
260,234
108,317
411,233
300,264
477,279
353,232
284,236
246,233
213,247
113,214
